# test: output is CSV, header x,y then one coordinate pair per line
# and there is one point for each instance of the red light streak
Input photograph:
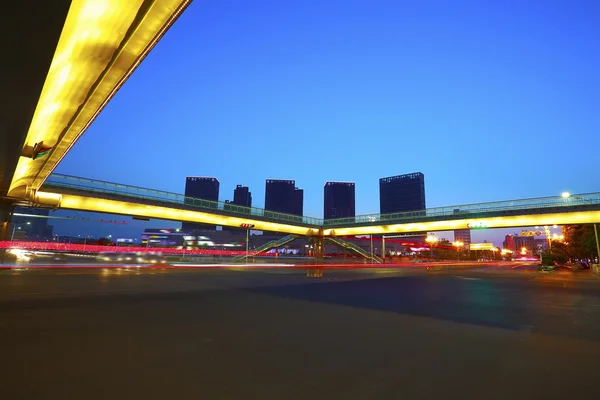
x,y
95,248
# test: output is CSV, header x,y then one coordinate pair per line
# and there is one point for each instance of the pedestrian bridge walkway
x,y
100,196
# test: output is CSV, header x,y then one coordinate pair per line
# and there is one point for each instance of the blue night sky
x,y
490,100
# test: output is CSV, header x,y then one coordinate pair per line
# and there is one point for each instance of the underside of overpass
x,y
33,40
34,36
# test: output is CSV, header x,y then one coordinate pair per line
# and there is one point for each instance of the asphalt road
x,y
489,333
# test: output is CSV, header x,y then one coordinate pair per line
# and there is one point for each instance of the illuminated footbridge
x,y
106,197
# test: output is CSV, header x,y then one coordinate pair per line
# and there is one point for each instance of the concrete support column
x,y
319,250
5,226
5,220
319,255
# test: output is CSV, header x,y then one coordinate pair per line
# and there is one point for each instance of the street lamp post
x,y
431,239
248,227
494,250
458,244
371,219
247,240
371,248
597,243
548,236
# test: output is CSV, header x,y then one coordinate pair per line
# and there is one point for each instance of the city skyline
x,y
460,92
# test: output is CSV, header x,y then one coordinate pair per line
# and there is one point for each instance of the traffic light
x,y
247,226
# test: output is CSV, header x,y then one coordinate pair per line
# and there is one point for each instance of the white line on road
x,y
468,278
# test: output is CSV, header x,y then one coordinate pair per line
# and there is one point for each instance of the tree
x,y
580,240
559,253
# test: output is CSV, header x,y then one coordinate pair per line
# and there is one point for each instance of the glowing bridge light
x,y
478,225
102,42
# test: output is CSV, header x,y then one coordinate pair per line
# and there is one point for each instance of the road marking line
x,y
468,278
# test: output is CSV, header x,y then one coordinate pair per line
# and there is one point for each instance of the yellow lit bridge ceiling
x,y
101,44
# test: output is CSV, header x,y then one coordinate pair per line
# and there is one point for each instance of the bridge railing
x,y
464,211
96,186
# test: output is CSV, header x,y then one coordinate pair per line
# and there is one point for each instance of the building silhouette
x,y
200,187
464,236
402,193
516,243
339,200
242,196
283,196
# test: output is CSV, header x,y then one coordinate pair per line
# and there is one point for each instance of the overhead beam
x,y
31,33
101,44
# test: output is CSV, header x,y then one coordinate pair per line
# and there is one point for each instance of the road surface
x,y
276,334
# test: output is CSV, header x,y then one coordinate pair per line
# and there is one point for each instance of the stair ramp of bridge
x,y
273,244
345,244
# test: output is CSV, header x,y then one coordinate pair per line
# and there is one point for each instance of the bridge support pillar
x,y
5,222
319,250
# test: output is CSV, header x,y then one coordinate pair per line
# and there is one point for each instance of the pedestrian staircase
x,y
345,244
273,244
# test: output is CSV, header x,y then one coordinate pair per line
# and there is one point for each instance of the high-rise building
x,y
242,196
200,187
464,236
339,201
298,201
283,196
402,193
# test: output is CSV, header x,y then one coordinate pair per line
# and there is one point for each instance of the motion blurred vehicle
x,y
577,265
28,256
573,265
547,268
132,258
